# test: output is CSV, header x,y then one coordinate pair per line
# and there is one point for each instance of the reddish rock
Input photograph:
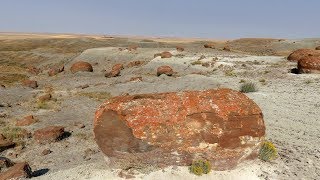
x,y
46,152
180,48
49,134
317,48
33,70
223,126
310,64
209,45
5,144
81,66
45,97
26,121
118,67
112,73
132,47
136,79
135,63
165,54
167,70
17,171
301,53
226,48
55,70
30,83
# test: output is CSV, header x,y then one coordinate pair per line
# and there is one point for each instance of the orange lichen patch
x,y
190,122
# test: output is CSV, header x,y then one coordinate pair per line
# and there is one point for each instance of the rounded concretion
x,y
309,64
81,66
223,126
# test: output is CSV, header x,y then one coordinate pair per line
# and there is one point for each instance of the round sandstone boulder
x,y
301,53
222,126
310,64
81,66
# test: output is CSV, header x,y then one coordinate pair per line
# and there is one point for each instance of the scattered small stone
x,y
18,171
55,70
81,66
30,83
79,125
112,73
135,63
2,86
180,48
118,67
167,70
46,152
13,155
209,45
83,86
46,97
49,134
226,48
26,121
33,70
132,47
166,54
136,79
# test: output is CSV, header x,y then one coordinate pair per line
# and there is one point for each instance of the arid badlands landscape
x,y
52,116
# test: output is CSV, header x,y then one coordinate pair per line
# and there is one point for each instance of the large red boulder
x,y
223,126
17,171
81,66
309,64
301,53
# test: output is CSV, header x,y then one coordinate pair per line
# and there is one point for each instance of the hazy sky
x,y
182,18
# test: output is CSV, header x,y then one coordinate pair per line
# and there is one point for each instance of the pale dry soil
x,y
290,104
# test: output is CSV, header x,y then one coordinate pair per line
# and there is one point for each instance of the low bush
x,y
200,167
268,151
248,87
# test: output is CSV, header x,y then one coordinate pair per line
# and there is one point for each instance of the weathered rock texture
x,y
158,130
302,53
310,64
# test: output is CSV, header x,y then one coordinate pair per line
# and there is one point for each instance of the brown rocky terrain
x,y
56,106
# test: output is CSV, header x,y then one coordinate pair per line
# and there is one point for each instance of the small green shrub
x,y
200,167
248,87
42,105
242,81
268,151
198,62
230,72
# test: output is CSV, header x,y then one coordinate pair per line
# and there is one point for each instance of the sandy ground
x,y
290,104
